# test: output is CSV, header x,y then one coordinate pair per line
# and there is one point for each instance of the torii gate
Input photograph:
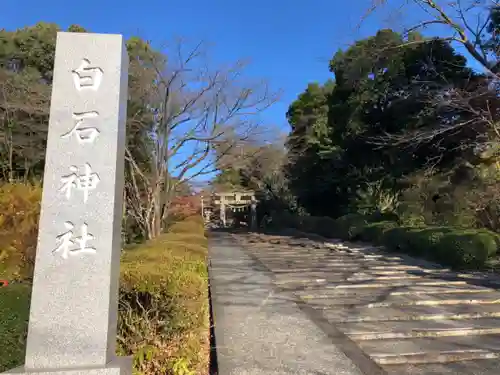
x,y
235,201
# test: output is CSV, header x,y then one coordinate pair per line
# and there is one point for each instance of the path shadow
x,y
294,238
249,285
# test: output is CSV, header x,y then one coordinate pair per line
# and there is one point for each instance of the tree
x,y
23,125
338,161
259,167
307,145
26,65
470,23
474,26
194,108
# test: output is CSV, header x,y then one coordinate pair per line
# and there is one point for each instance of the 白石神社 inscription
x,y
73,316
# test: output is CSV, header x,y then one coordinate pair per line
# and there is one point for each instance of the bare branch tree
x,y
194,108
471,109
460,21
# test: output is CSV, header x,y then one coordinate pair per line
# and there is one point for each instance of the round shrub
x,y
466,248
163,306
424,241
396,239
285,220
349,227
373,232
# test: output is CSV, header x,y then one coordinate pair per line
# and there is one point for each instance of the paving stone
x,y
395,284
411,313
417,292
350,301
411,316
402,329
476,367
388,300
458,346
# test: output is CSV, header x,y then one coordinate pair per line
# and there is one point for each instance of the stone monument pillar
x,y
73,316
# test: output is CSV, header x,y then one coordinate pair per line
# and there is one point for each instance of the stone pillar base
x,y
118,366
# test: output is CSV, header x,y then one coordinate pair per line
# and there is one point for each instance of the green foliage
x,y
26,65
451,246
372,149
361,226
350,227
163,314
285,219
454,247
467,249
163,296
308,145
321,225
374,232
339,162
14,310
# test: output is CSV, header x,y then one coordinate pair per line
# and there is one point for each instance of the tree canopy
x,y
180,110
399,108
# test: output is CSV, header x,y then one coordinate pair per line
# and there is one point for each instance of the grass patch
x,y
14,310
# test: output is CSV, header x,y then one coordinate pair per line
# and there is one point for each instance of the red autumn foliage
x,y
185,206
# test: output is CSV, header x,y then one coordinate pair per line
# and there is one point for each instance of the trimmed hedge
x,y
323,226
454,247
350,227
163,315
163,308
374,232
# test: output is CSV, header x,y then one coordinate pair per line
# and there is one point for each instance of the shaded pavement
x,y
399,314
259,328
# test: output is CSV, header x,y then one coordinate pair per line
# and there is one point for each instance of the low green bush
x,y
349,227
373,232
450,246
364,227
424,241
14,312
285,220
466,248
308,223
396,238
163,311
454,247
383,216
321,225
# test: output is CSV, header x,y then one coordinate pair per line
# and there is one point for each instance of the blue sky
x,y
288,42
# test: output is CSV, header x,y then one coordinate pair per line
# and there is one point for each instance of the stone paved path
x,y
407,316
258,329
